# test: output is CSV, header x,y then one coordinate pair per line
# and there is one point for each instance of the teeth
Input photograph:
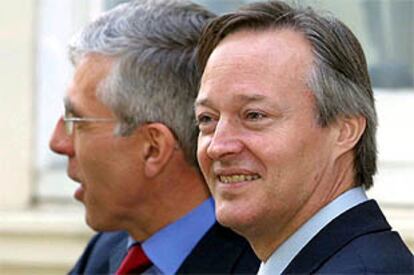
x,y
238,178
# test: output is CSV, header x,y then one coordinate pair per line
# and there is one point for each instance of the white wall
x,y
16,110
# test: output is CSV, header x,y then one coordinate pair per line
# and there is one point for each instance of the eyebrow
x,y
238,98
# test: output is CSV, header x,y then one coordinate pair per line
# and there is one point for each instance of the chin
x,y
92,223
102,220
96,222
98,225
236,225
236,219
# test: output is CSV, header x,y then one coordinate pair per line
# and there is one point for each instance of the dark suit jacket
x,y
359,241
220,251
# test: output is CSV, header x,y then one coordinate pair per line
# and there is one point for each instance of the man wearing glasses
x,y
129,134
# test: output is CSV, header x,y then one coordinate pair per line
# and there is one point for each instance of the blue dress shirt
x,y
168,248
285,253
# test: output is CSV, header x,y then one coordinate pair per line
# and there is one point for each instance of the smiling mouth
x,y
238,178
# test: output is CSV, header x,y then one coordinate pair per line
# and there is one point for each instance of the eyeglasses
x,y
69,119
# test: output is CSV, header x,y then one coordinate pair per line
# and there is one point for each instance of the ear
x,y
159,147
350,130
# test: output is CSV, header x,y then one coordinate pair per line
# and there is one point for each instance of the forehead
x,y
256,62
88,77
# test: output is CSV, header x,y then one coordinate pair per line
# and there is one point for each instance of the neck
x,y
276,231
176,192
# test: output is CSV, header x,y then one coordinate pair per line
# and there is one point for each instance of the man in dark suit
x,y
220,251
287,141
128,132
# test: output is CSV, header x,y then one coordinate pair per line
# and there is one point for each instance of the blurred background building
x,y
42,228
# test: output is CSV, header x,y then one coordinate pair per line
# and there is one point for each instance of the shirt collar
x,y
169,247
285,253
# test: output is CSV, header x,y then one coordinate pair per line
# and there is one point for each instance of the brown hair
x,y
339,76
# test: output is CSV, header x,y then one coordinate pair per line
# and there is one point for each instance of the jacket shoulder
x,y
221,251
96,256
378,252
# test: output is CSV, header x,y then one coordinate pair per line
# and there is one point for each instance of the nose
x,y
225,142
60,142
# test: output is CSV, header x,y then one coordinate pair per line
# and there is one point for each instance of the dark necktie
x,y
135,262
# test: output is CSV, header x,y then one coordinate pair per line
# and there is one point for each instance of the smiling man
x,y
128,132
287,142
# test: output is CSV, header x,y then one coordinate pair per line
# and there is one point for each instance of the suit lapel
x,y
359,220
217,252
117,253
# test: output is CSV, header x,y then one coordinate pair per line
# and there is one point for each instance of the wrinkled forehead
x,y
276,50
89,78
257,61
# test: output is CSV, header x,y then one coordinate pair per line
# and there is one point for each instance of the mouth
x,y
237,178
80,193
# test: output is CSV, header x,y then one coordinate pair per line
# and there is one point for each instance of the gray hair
x,y
154,77
339,76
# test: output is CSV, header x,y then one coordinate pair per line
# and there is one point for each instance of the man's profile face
x,y
260,148
106,166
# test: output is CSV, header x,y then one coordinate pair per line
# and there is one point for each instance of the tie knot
x,y
135,262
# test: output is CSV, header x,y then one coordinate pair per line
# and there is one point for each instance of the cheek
x,y
93,161
202,157
284,160
297,165
88,153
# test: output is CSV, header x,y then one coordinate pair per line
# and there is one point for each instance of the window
x,y
384,28
109,4
57,21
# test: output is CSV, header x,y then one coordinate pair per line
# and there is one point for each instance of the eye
x,y
203,119
254,115
205,122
